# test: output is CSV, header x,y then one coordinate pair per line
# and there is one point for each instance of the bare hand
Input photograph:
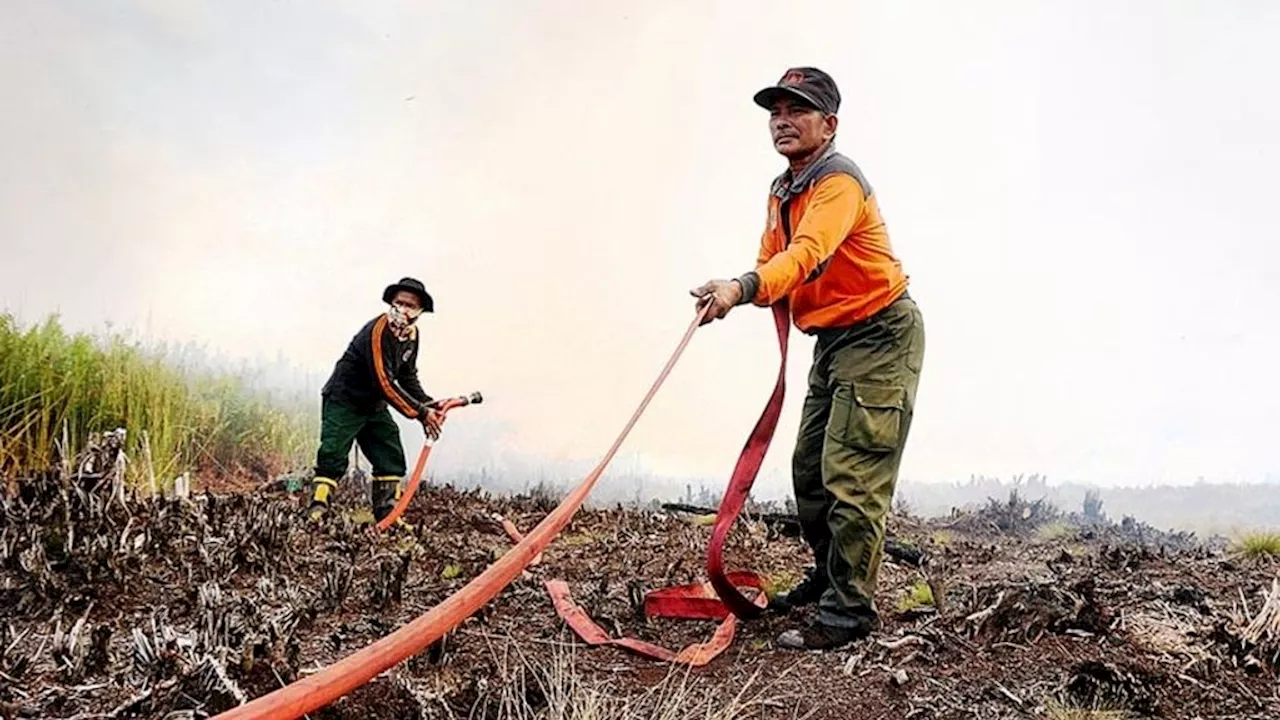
x,y
432,423
721,295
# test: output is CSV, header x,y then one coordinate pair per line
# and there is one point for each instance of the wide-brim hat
x,y
411,285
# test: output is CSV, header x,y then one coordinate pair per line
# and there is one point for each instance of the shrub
x,y
1260,544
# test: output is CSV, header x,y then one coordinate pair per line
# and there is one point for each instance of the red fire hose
x,y
744,476
316,691
720,599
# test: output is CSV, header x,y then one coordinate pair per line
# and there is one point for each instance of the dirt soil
x,y
121,607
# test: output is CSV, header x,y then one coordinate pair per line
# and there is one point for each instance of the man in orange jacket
x,y
825,250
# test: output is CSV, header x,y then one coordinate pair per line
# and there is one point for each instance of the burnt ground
x,y
113,606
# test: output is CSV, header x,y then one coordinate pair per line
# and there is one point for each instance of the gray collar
x,y
786,187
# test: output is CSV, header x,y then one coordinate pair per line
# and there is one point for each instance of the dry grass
x,y
1168,632
1055,710
1259,633
525,687
1266,624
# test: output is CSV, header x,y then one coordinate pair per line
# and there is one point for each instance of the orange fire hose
x,y
316,691
721,598
412,486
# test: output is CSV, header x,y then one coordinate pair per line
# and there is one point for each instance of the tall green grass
x,y
199,421
1259,544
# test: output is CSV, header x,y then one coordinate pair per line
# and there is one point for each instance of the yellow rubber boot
x,y
321,488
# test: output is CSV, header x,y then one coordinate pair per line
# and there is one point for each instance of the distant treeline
x,y
1206,509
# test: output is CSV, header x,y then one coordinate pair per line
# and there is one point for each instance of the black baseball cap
x,y
806,84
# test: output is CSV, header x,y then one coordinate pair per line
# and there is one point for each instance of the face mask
x,y
401,318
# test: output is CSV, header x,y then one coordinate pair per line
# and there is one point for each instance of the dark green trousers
x,y
854,426
377,434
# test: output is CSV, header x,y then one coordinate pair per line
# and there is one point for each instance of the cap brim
x,y
770,95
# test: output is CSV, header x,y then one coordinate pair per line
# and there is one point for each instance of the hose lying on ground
x,y
322,688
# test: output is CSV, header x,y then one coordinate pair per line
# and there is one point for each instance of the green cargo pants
x,y
379,440
854,426
377,434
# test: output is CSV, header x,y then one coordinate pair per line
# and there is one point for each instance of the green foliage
x,y
943,537
920,595
780,582
1259,545
200,422
1055,530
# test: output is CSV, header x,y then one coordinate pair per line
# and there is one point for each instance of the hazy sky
x,y
1083,195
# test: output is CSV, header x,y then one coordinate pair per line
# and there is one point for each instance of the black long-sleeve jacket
x,y
379,368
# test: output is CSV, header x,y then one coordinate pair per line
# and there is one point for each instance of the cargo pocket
x,y
868,416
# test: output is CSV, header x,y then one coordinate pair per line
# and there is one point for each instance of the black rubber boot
x,y
385,491
808,592
819,636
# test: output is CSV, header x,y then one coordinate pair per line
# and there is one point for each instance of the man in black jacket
x,y
379,368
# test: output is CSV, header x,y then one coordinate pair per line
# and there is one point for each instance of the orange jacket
x,y
837,266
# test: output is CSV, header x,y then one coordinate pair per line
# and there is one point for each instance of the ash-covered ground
x,y
124,607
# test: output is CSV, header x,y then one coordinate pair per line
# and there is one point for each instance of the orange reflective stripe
x,y
375,339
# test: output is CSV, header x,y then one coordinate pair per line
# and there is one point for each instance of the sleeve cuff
x,y
750,283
